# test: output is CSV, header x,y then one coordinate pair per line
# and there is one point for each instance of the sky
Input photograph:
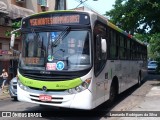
x,y
100,6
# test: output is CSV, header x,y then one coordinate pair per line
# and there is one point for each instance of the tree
x,y
136,16
15,25
154,45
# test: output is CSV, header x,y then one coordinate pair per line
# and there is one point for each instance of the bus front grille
x,y
55,100
48,77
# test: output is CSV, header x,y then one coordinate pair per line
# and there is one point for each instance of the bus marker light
x,y
45,98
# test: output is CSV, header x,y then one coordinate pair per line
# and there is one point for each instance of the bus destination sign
x,y
51,19
55,20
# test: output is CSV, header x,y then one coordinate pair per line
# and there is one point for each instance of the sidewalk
x,y
4,93
149,108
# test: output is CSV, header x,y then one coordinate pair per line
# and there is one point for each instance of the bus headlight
x,y
81,87
22,86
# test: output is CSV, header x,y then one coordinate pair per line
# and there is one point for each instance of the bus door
x,y
100,58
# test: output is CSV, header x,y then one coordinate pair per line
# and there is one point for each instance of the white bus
x,y
76,59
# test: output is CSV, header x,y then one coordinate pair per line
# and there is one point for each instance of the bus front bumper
x,y
82,100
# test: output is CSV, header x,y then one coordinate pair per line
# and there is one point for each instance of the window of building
x,y
43,2
5,46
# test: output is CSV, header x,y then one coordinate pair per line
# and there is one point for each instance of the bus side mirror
x,y
103,45
12,40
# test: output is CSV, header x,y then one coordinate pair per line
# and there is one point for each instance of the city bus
x,y
76,59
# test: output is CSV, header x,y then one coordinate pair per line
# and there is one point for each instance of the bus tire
x,y
139,79
113,91
15,99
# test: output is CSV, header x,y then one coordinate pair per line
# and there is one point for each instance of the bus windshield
x,y
56,50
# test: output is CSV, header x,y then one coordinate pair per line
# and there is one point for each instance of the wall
x,y
32,5
51,4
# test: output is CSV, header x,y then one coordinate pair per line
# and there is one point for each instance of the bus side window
x,y
98,48
100,57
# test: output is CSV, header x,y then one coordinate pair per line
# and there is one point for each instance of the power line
x,y
86,5
81,2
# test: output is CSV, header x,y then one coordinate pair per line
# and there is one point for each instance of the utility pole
x,y
60,5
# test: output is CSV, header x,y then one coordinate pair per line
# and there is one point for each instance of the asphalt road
x,y
125,102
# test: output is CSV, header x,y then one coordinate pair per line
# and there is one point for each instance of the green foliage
x,y
15,25
155,44
143,37
8,33
136,16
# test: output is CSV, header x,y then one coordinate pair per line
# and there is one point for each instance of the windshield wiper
x,y
61,36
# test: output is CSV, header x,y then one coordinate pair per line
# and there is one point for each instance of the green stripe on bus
x,y
57,85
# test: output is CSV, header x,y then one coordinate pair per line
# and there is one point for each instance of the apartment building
x,y
12,11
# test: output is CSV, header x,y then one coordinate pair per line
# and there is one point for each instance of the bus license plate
x,y
45,98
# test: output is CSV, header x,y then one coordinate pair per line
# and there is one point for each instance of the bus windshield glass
x,y
67,50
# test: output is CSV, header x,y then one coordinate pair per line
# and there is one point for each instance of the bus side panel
x,y
129,74
125,71
100,87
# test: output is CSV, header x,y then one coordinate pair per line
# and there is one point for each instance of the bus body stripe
x,y
55,85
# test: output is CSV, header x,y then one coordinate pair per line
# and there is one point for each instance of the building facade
x,y
12,11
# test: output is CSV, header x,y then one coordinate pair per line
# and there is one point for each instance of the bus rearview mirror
x,y
103,45
12,40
